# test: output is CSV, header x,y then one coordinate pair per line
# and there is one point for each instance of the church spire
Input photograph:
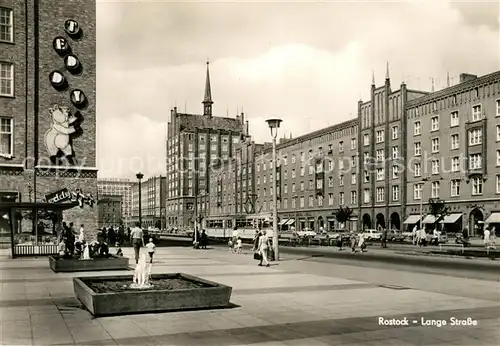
x,y
387,70
207,101
373,78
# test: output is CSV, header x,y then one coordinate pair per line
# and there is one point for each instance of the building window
x,y
341,147
6,79
353,178
311,201
435,189
435,166
320,201
330,181
395,153
330,199
435,145
498,132
498,184
380,136
366,178
475,161
435,123
498,157
6,135
477,186
293,173
455,141
395,132
395,193
498,108
341,198
380,174
380,154
285,188
311,170
294,159
380,194
302,171
395,172
455,164
417,191
454,120
302,157
6,24
455,188
366,196
417,128
417,149
301,186
366,139
353,143
264,179
354,197
341,180
366,158
475,137
311,184
417,172
293,187
476,113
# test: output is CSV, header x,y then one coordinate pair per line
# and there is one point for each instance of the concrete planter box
x,y
95,264
140,301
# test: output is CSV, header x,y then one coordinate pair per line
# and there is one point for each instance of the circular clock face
x,y
72,27
71,62
56,78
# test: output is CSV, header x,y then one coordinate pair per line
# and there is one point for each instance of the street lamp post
x,y
274,125
139,177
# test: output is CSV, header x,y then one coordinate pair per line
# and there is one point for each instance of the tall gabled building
x,y
194,142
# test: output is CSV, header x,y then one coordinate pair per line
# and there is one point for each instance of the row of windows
x,y
455,184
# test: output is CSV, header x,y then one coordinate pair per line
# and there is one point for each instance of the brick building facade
x,y
195,142
153,200
109,211
47,103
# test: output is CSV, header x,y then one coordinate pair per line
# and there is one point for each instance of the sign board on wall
x,y
64,195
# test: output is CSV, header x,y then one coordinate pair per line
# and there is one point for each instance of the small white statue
x,y
86,252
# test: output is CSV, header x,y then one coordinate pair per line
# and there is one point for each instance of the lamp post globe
x,y
139,177
274,125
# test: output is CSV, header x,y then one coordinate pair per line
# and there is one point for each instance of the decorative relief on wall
x,y
74,173
66,124
58,139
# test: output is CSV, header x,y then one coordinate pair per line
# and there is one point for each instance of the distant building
x,y
118,187
153,199
194,143
109,210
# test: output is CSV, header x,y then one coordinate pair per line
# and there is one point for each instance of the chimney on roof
x,y
465,77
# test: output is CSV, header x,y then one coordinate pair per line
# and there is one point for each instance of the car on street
x,y
372,234
395,235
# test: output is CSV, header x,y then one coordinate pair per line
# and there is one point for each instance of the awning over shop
x,y
283,221
452,218
493,218
429,219
290,222
412,219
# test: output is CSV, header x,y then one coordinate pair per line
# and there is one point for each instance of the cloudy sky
x,y
305,62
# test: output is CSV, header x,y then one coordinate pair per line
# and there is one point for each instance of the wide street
x,y
302,300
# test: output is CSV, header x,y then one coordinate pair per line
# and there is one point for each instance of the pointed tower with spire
x,y
207,101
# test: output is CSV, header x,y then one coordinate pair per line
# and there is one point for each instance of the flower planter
x,y
113,262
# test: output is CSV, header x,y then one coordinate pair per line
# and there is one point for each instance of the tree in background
x,y
438,209
343,214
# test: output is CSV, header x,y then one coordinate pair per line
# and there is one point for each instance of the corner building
x,y
194,143
453,150
47,69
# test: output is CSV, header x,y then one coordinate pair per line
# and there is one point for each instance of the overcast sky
x,y
305,62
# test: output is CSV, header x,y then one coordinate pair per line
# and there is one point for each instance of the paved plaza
x,y
297,302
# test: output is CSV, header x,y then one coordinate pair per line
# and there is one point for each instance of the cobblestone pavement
x,y
293,303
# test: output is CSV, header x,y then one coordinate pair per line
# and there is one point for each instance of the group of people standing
x,y
262,248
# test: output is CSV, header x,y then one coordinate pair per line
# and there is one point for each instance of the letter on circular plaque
x,y
61,46
58,80
78,98
72,64
73,29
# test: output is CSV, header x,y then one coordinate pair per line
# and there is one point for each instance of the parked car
x,y
306,232
395,235
372,234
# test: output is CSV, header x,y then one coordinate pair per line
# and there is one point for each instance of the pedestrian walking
x,y
384,238
151,249
263,249
486,238
137,240
493,237
353,239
